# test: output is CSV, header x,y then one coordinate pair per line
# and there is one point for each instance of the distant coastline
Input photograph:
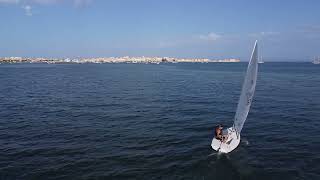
x,y
125,59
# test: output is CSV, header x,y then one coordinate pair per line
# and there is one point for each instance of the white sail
x,y
247,92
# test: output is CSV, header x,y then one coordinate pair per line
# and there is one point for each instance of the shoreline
x,y
126,59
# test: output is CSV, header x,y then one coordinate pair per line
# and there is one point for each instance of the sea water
x,y
148,121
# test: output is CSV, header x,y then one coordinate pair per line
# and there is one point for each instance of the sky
x,y
286,30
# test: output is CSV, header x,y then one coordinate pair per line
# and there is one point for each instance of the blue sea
x,y
148,121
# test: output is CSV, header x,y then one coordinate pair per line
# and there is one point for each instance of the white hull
x,y
229,145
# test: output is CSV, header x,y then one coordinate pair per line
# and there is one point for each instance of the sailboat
x,y
260,60
316,61
233,133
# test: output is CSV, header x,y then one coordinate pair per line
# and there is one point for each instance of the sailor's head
x,y
219,127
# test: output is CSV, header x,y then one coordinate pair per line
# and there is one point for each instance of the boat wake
x,y
215,153
219,155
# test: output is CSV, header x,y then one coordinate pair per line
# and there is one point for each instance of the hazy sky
x,y
286,29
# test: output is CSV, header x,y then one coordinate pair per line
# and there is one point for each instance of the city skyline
x,y
286,30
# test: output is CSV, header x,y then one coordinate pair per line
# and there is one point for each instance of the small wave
x,y
245,142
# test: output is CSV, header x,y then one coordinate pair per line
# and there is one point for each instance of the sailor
x,y
219,134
